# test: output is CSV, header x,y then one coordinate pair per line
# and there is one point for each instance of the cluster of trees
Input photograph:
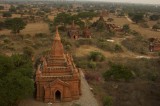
x,y
154,17
136,17
15,24
16,73
7,14
85,15
1,7
118,72
156,26
65,18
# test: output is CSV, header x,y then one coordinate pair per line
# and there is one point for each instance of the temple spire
x,y
57,37
57,47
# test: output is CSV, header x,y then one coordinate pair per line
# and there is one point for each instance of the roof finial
x,y
57,37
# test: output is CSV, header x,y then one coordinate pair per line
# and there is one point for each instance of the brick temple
x,y
86,32
73,32
57,78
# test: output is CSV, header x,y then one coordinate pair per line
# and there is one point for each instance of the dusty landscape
x,y
116,49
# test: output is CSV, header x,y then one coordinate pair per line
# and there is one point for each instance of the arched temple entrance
x,y
57,96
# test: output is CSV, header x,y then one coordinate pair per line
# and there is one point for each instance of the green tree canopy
x,y
85,15
96,56
154,17
15,24
15,79
136,17
156,26
66,19
118,72
7,14
126,28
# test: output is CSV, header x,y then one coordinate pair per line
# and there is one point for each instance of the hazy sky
x,y
133,1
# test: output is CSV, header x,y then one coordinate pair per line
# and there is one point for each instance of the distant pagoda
x,y
73,31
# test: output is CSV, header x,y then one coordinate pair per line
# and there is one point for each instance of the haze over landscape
x,y
123,1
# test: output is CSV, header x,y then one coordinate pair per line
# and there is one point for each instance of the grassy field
x,y
86,49
147,32
31,28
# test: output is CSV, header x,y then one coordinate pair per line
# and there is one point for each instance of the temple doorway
x,y
57,96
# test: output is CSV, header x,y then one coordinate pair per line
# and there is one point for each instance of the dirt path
x,y
87,98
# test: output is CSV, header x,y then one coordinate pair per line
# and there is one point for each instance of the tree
x,y
2,25
62,18
100,26
7,14
137,17
107,101
1,7
110,19
154,17
88,15
12,9
14,84
15,24
118,72
96,56
126,28
28,51
156,26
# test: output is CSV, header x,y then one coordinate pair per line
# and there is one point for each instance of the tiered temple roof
x,y
56,63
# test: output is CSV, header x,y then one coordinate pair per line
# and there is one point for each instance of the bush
x,y
28,51
85,42
154,17
40,35
106,46
118,48
107,101
6,41
96,56
92,64
156,26
144,25
118,72
137,44
7,14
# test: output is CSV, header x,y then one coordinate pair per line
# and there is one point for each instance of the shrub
x,y
7,14
28,51
118,48
85,41
92,64
144,25
118,72
96,56
6,41
156,26
107,101
107,46
40,35
137,44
